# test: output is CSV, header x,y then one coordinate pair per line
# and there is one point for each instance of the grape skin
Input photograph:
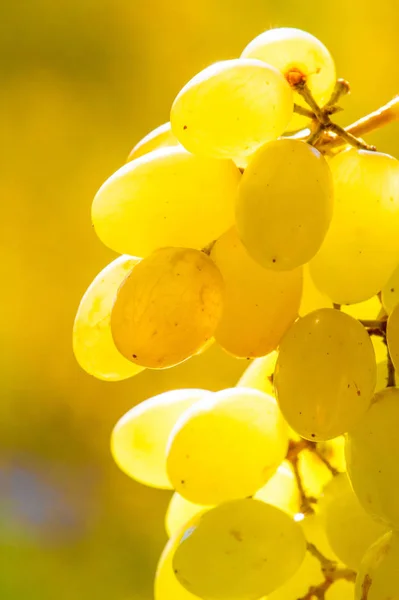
x,y
393,336
390,292
378,576
166,586
160,137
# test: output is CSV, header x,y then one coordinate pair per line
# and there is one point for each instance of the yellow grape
x,y
314,474
239,550
372,457
231,108
312,298
393,337
361,248
325,374
259,374
167,197
259,304
349,529
390,292
369,309
139,439
281,490
179,512
298,55
166,586
378,576
93,345
161,137
226,446
334,451
167,309
285,203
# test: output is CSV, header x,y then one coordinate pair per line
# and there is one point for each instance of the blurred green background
x,y
81,82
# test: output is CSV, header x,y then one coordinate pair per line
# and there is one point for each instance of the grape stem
x,y
331,573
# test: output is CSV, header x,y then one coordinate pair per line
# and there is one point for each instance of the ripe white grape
x,y
393,336
161,137
312,297
259,374
231,108
390,292
285,204
166,586
378,576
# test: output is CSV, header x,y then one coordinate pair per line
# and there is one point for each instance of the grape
x,y
167,197
180,511
259,305
393,336
325,374
312,298
314,474
231,108
226,446
390,292
93,345
372,457
297,55
167,308
281,490
259,374
284,206
139,439
369,309
350,530
240,550
361,248
378,576
161,137
166,585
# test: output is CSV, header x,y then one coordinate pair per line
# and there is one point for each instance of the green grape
x,y
350,530
314,474
259,305
259,374
312,298
284,205
161,137
139,439
231,108
179,512
226,446
393,336
167,197
281,490
361,248
240,550
166,586
390,292
369,309
325,374
298,55
372,457
167,309
93,345
378,576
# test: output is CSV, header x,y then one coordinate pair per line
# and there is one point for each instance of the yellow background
x,y
80,82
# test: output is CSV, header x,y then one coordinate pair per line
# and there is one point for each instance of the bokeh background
x,y
80,82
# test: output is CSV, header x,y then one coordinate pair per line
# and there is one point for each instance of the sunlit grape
x,y
312,297
361,248
378,576
139,439
369,309
161,137
179,512
93,345
166,586
259,374
226,446
239,550
393,337
285,203
167,197
281,490
390,292
372,457
259,304
325,374
231,108
167,309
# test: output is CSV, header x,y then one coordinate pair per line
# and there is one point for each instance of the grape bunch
x,y
254,221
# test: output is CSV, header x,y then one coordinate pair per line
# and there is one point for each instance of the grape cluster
x,y
252,220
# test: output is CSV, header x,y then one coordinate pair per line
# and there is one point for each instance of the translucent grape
x,y
139,439
167,197
167,587
167,309
350,530
314,474
179,512
231,108
240,550
390,292
325,374
369,309
226,446
259,374
393,336
378,576
361,248
259,304
281,490
161,137
372,457
312,298
285,202
297,55
93,345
